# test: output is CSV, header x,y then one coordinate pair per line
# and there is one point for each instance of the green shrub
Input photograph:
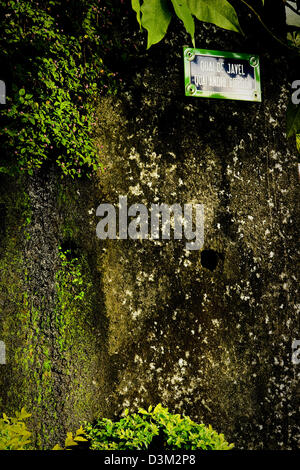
x,y
155,427
14,434
72,441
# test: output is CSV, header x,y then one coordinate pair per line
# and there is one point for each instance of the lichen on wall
x,y
51,311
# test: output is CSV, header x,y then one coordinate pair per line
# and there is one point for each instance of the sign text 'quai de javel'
x,y
225,75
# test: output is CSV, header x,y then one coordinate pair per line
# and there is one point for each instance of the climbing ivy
x,y
54,55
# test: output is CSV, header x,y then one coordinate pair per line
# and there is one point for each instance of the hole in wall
x,y
209,259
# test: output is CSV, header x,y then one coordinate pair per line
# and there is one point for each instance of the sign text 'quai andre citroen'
x,y
224,75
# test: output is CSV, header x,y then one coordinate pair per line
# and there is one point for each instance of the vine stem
x,y
278,39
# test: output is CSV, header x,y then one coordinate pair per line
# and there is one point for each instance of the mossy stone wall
x,y
122,323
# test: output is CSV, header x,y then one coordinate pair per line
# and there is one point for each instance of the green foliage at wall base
x,y
155,427
14,434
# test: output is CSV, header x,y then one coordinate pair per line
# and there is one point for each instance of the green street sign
x,y
223,75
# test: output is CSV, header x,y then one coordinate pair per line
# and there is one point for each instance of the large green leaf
x,y
183,12
219,12
156,18
293,119
136,6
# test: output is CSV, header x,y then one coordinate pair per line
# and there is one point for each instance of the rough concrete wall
x,y
52,319
207,333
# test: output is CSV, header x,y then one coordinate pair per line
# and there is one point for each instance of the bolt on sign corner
x,y
223,75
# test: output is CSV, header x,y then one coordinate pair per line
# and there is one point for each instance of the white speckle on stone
x,y
136,190
136,314
182,362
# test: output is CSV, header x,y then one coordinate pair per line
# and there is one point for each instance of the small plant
x,y
155,427
72,441
14,434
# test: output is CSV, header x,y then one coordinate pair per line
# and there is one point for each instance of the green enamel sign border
x,y
189,52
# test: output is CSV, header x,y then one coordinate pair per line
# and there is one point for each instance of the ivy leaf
x,y
218,12
23,414
57,447
137,8
5,418
158,408
3,169
156,18
293,120
80,439
184,14
69,442
80,431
